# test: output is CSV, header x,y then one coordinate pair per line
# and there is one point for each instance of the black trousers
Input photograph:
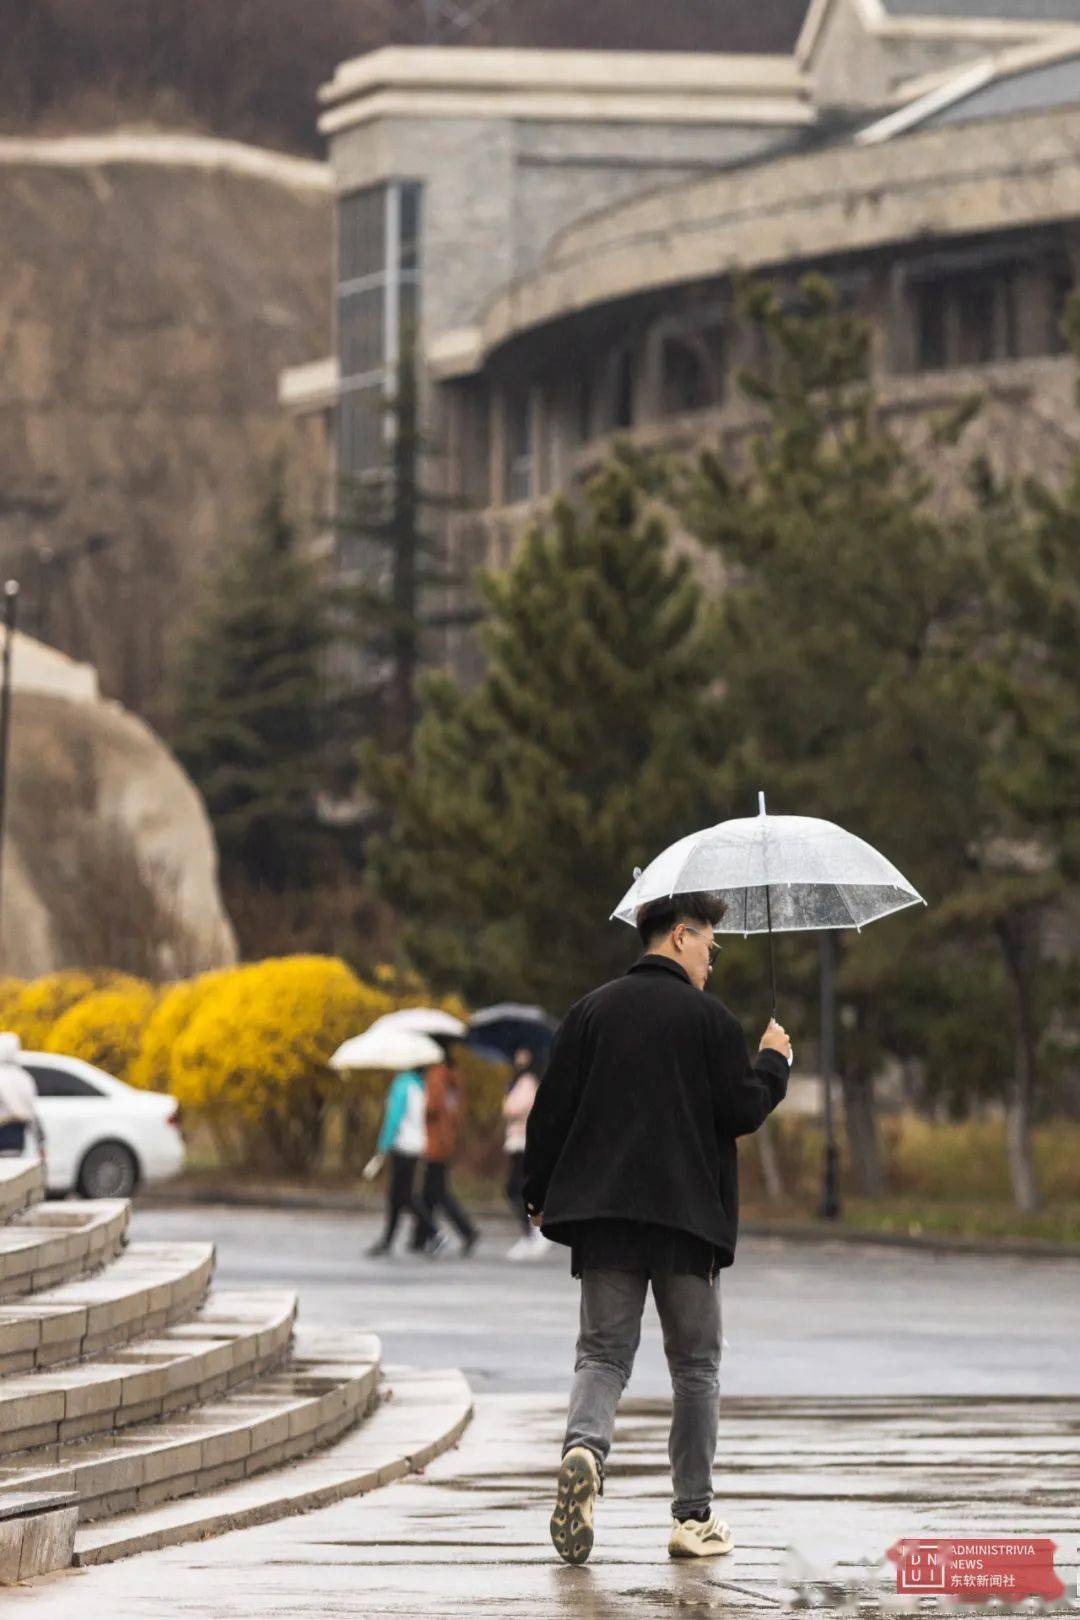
x,y
435,1194
401,1199
515,1181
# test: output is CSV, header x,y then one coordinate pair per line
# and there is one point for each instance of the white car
x,y
102,1137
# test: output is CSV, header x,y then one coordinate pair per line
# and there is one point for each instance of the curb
x,y
317,1481
938,1243
348,1203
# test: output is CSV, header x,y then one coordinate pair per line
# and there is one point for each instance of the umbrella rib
x,y
842,896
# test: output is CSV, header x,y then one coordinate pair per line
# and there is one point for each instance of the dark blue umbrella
x,y
499,1031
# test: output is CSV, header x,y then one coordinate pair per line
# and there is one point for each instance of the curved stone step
x,y
54,1243
22,1183
270,1422
426,1413
234,1338
151,1286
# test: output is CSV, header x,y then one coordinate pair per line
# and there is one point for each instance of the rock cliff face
x,y
109,860
151,289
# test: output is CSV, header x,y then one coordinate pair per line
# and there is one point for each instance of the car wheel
x,y
108,1171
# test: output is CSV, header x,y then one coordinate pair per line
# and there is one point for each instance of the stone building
x,y
561,230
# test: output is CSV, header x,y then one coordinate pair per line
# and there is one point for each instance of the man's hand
x,y
776,1039
536,1216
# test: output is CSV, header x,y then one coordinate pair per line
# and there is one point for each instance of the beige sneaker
x,y
572,1521
699,1538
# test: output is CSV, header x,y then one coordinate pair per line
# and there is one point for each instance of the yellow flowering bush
x,y
254,1057
44,1002
106,1027
11,991
152,1069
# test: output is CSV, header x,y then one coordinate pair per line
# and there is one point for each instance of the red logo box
x,y
975,1567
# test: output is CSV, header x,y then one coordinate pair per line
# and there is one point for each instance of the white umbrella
x,y
782,874
428,1020
387,1049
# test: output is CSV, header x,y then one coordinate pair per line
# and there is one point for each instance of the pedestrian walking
x,y
18,1098
517,1105
630,1159
444,1099
402,1138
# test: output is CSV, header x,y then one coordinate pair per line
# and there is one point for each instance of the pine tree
x,y
872,658
390,525
521,807
250,705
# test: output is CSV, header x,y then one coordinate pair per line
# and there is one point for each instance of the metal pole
x,y
11,602
830,1187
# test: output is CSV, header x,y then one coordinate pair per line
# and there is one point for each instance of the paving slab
x,y
467,1538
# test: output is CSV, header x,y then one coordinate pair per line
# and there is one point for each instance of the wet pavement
x,y
799,1318
807,1486
868,1394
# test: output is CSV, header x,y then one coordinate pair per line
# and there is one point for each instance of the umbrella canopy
x,y
782,874
387,1049
428,1020
502,1029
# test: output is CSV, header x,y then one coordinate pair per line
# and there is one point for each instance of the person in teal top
x,y
403,1139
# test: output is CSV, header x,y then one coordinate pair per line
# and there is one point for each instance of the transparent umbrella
x,y
776,874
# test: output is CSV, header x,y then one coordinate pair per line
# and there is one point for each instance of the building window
x,y
378,310
623,390
931,349
685,382
966,319
520,446
1061,287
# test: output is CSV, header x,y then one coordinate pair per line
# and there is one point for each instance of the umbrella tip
x,y
761,803
637,873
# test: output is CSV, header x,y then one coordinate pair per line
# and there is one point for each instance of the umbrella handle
x,y
772,952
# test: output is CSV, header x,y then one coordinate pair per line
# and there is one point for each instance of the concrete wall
x,y
497,191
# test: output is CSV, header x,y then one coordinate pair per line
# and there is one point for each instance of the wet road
x,y
799,1318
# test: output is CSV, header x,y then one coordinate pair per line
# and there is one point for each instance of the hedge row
x,y
246,1049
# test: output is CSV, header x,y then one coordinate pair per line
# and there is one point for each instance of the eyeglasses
x,y
714,948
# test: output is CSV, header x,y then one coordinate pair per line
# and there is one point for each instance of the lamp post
x,y
830,1185
11,602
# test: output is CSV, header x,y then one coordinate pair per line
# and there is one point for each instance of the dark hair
x,y
658,917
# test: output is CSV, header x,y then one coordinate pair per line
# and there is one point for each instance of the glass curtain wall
x,y
378,303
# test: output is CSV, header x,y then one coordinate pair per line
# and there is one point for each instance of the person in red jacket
x,y
444,1096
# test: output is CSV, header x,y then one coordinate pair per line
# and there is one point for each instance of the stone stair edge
x,y
54,1248
384,1448
22,1183
150,1286
223,1345
271,1420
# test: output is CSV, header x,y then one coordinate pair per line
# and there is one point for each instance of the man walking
x,y
630,1159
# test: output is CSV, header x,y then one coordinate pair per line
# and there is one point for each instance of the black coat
x,y
648,1084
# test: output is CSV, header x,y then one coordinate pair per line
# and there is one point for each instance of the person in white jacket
x,y
517,1105
18,1098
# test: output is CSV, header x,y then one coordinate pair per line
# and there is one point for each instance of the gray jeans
x,y
689,1307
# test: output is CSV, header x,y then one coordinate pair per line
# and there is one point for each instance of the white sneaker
x,y
699,1538
521,1249
575,1499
